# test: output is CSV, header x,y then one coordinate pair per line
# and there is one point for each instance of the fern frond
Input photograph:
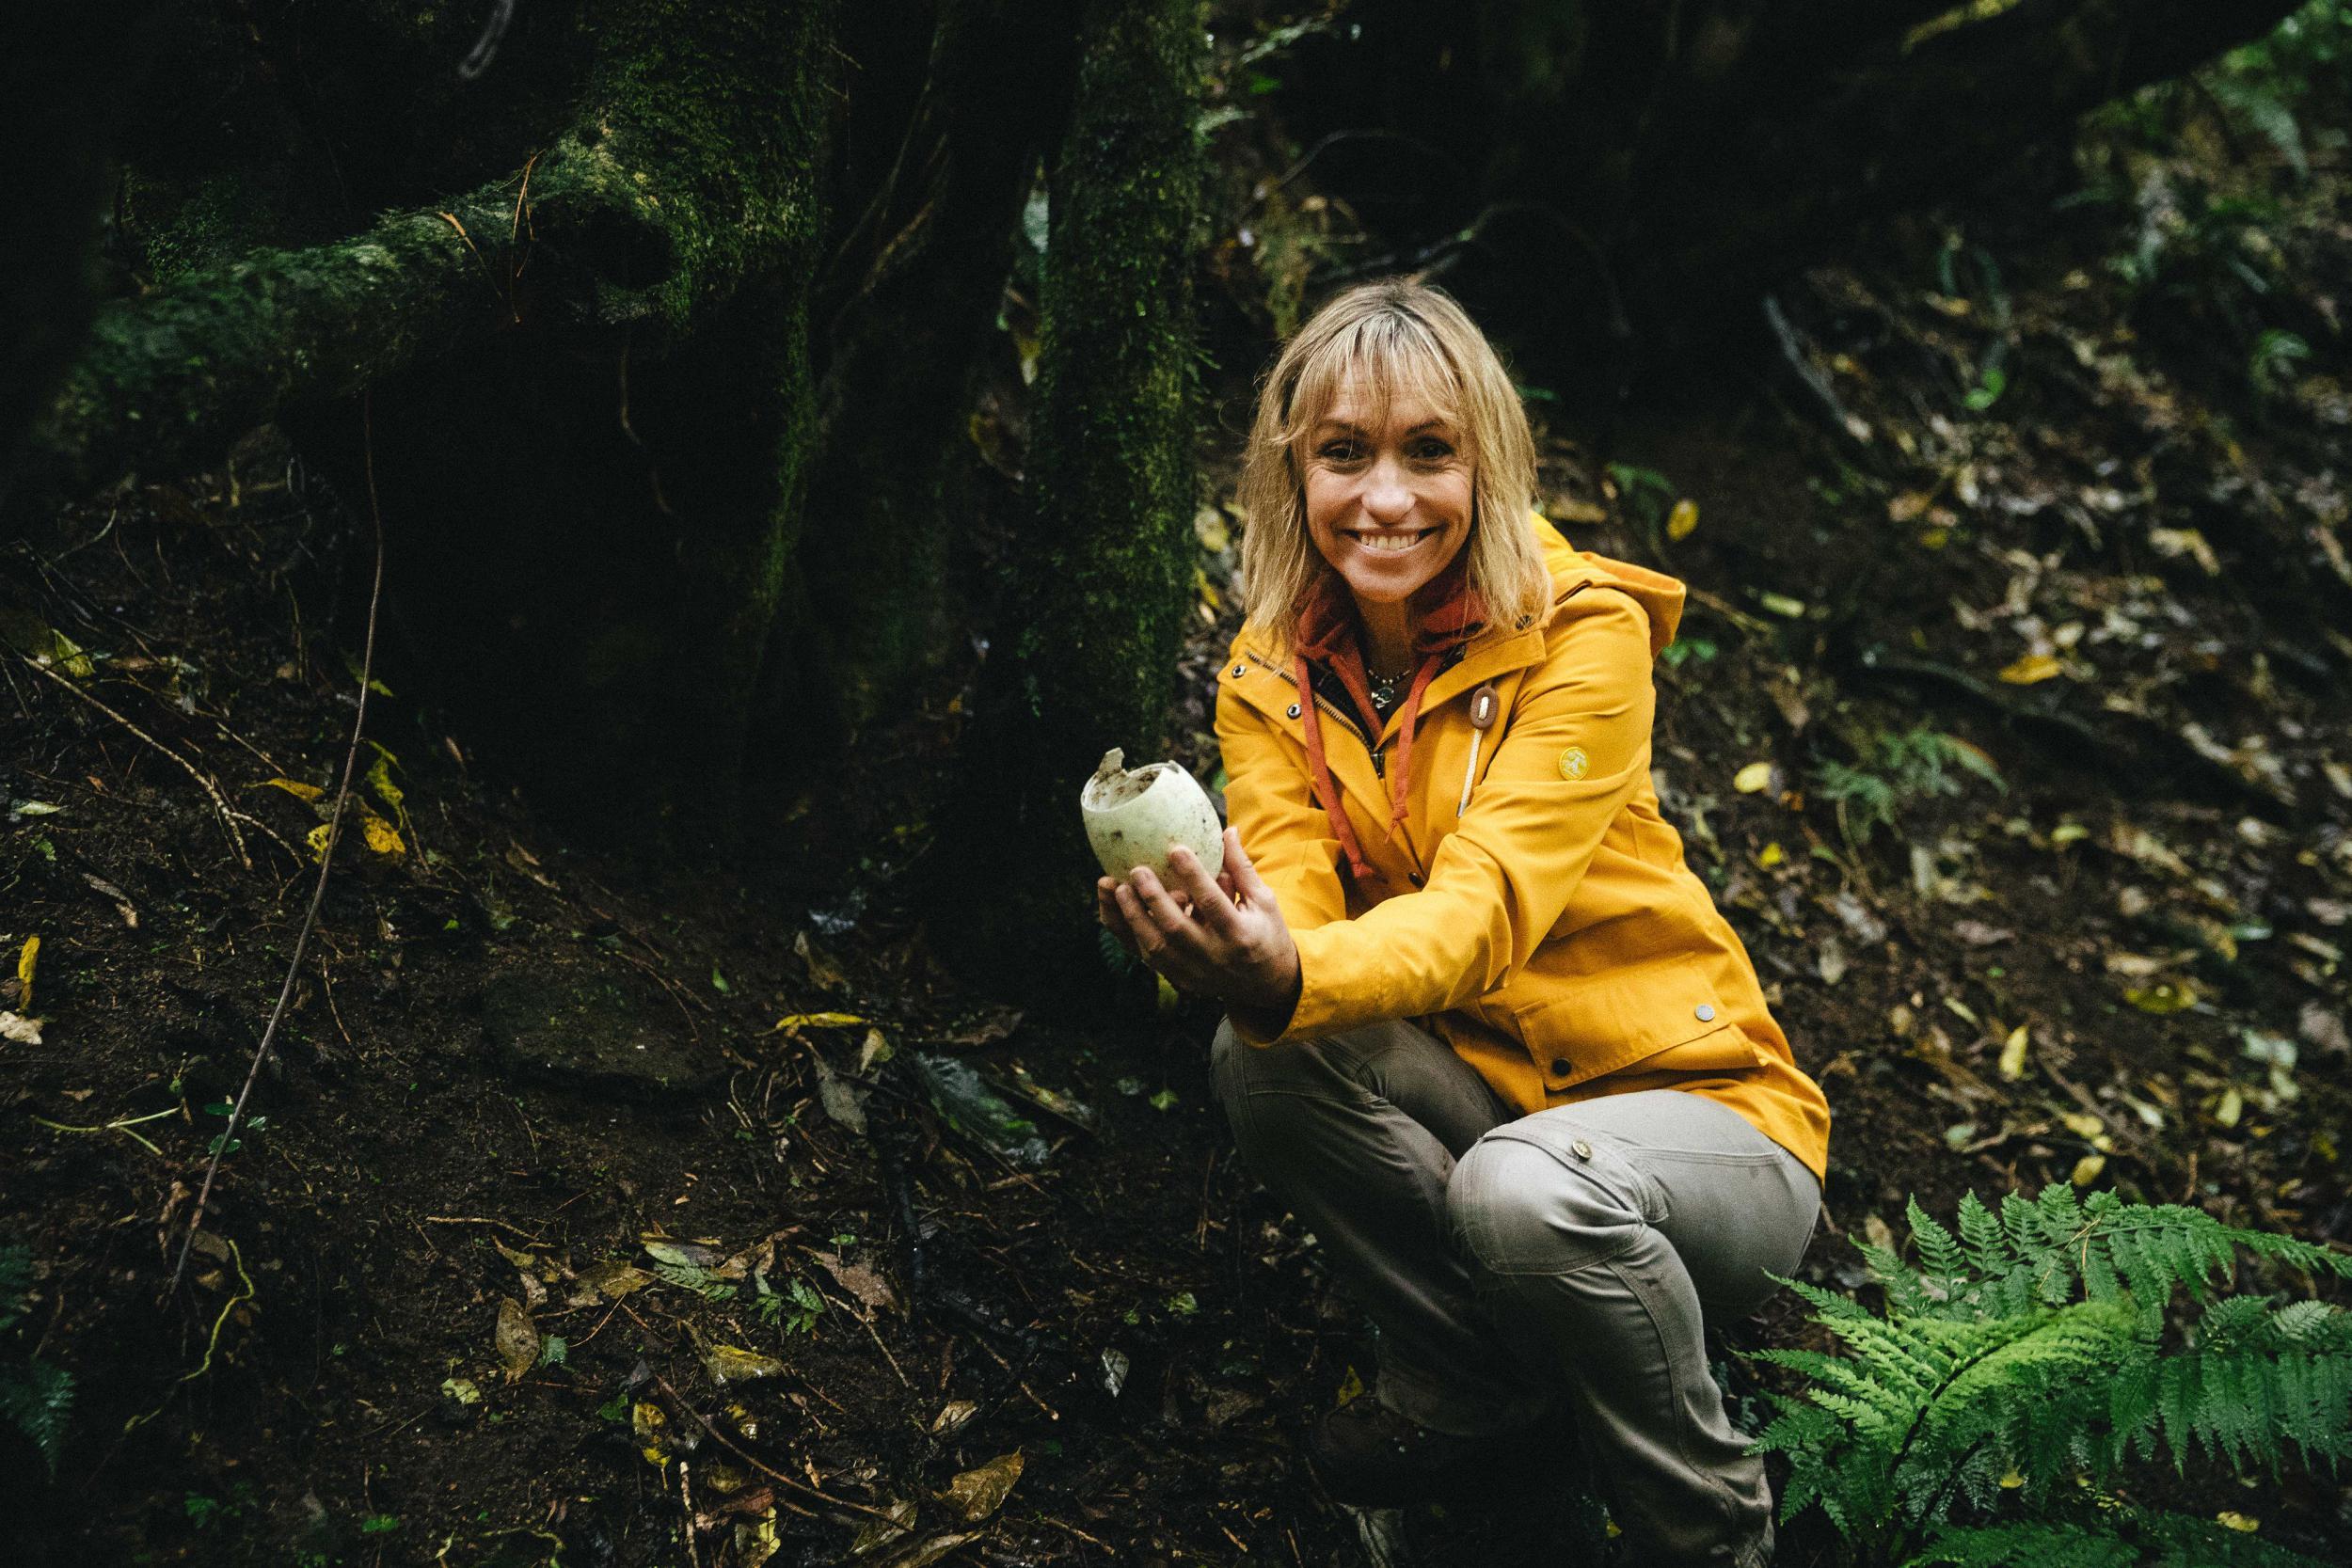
x,y
2057,1249
37,1399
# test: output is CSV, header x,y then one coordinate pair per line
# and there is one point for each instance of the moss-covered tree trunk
x,y
1088,657
912,291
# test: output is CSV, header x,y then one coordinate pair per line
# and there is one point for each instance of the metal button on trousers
x,y
1511,1263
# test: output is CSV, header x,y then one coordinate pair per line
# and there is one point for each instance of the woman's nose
x,y
1387,497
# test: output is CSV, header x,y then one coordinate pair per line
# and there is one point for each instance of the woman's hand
x,y
1222,938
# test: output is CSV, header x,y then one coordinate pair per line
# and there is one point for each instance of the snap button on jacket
x,y
1549,930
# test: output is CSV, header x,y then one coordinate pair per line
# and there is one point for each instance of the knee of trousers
x,y
1517,1208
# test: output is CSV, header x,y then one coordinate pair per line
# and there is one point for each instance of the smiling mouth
x,y
1387,543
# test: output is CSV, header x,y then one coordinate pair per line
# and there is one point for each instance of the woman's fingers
x,y
1210,906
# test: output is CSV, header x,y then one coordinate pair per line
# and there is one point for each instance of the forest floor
x,y
2007,724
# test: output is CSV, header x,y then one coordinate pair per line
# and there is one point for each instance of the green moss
x,y
1107,559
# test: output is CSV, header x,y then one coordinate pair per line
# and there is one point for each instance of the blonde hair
x,y
1390,338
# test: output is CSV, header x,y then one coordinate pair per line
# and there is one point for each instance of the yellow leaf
x,y
2087,1169
2014,1053
734,1364
1771,855
380,780
1350,1386
1207,590
2012,1481
2245,1524
1753,779
1910,504
382,836
1683,521
2165,996
295,787
2083,1124
24,961
2031,669
651,1425
2231,1107
817,1020
316,838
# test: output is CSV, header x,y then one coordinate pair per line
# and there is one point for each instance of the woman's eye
x,y
1340,452
1432,450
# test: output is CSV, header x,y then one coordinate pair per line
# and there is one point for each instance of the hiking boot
x,y
1366,1454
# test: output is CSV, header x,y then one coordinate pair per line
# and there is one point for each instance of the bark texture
x,y
1095,620
911,295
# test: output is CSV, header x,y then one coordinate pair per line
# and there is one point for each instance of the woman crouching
x,y
1488,1035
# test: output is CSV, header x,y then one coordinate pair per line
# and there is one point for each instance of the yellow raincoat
x,y
1549,930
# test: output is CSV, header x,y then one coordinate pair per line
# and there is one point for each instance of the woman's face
x,y
1389,506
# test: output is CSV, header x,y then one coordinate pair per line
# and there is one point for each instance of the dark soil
x,y
511,1061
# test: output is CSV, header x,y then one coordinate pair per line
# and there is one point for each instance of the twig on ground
x,y
867,1325
327,859
211,790
764,1468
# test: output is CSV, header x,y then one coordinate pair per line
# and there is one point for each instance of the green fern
x,y
37,1397
2024,1358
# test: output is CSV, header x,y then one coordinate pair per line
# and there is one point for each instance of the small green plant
x,y
1896,769
34,1395
1994,1411
221,1143
2271,364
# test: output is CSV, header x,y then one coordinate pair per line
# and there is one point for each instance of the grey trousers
x,y
1512,1263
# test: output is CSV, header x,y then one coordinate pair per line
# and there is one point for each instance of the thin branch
x,y
212,791
326,860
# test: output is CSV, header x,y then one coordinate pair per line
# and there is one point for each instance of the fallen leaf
x,y
2087,1169
462,1390
1753,779
607,1281
874,1532
2243,1523
1683,521
817,1020
295,787
650,1424
2030,670
978,1492
986,1029
952,1417
1975,933
923,1553
1782,605
862,1280
25,959
517,1338
821,970
2014,1053
2165,996
23,1031
733,1364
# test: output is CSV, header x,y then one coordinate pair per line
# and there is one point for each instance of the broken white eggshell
x,y
1134,818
